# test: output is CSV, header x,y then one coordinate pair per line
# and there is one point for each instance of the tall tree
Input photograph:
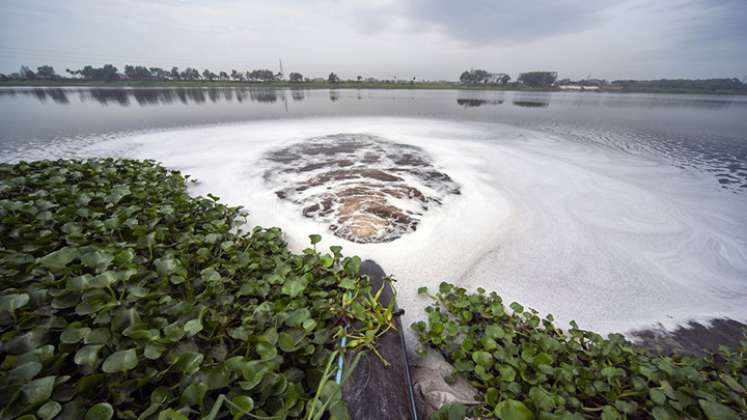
x,y
538,78
333,78
295,77
175,75
46,73
26,73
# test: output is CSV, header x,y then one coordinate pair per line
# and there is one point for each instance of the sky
x,y
425,39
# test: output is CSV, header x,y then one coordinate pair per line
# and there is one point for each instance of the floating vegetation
x,y
122,296
366,188
526,367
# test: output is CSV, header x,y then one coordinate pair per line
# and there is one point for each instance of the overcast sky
x,y
427,39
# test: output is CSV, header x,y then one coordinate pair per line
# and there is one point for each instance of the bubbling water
x,y
367,189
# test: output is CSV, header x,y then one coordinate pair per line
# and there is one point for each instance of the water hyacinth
x,y
526,367
122,296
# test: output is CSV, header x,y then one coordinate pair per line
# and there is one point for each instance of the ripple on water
x,y
366,188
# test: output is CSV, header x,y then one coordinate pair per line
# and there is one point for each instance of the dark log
x,y
375,391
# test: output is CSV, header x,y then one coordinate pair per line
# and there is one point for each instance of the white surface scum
x,y
584,232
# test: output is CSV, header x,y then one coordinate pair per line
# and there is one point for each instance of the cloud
x,y
490,21
431,39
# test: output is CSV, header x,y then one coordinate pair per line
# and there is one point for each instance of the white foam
x,y
611,240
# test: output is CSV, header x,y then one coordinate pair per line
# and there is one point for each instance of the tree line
x,y
109,73
550,78
484,77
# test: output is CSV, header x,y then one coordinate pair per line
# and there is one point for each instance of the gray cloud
x,y
431,39
490,21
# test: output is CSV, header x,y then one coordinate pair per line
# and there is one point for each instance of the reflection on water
x,y
702,132
531,104
474,103
297,94
147,96
532,100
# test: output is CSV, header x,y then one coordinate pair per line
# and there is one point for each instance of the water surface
x,y
620,211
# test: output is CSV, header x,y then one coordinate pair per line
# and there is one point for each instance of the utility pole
x,y
281,68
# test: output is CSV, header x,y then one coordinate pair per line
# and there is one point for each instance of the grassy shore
x,y
327,85
277,84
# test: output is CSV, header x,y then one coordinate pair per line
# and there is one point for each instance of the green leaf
x,y
49,410
25,372
171,414
120,361
657,396
315,239
494,331
192,327
348,283
422,290
482,358
732,383
100,411
516,308
242,404
661,413
194,394
512,410
167,265
98,260
294,287
610,413
87,355
9,303
57,260
39,390
716,411
104,280
188,362
491,396
326,260
73,335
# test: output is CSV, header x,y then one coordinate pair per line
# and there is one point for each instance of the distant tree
x,y
46,73
472,77
359,78
538,78
26,73
235,75
223,75
263,75
502,78
190,74
295,77
159,73
3,77
175,75
107,73
137,72
333,78
207,75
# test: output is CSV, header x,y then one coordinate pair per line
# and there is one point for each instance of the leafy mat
x,y
526,367
123,296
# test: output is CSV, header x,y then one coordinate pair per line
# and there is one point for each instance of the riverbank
x,y
339,85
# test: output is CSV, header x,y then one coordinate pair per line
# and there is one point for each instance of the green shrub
x,y
123,296
526,367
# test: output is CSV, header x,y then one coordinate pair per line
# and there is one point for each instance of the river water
x,y
621,211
